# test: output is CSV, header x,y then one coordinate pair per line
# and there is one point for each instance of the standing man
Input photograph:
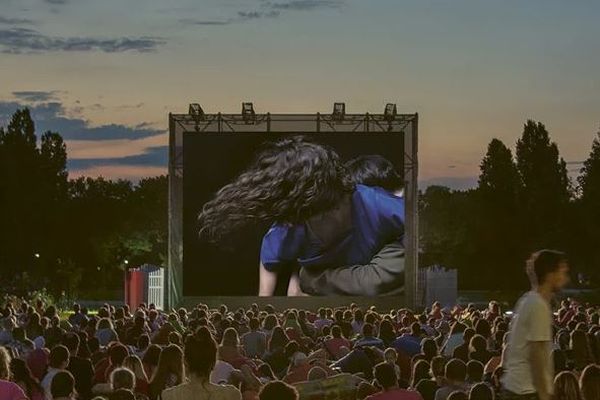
x,y
528,365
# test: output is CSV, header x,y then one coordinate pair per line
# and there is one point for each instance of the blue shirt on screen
x,y
377,219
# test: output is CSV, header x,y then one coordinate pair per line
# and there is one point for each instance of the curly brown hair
x,y
290,181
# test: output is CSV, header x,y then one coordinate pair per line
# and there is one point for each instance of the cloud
x,y
258,14
304,5
148,156
36,95
108,151
112,151
52,116
14,21
268,9
56,2
18,40
191,21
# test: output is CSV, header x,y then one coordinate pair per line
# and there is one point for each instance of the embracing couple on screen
x,y
336,228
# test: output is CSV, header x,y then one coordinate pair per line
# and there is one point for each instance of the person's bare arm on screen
x,y
267,281
294,286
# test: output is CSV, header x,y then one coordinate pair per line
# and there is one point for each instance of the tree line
x,y
78,235
523,201
73,236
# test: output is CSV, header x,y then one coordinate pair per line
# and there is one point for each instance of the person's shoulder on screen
x,y
377,200
281,243
375,192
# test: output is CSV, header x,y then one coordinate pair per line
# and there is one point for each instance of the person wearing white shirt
x,y
528,359
58,361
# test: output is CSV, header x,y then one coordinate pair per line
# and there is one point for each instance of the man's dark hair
x,y
200,353
468,334
456,370
367,330
71,342
385,375
62,384
122,394
117,354
336,331
374,170
458,395
58,356
475,371
545,262
481,391
93,344
143,341
415,329
278,390
254,324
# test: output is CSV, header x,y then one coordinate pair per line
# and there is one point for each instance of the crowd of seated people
x,y
270,354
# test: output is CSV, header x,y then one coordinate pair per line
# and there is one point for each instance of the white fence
x,y
156,286
437,283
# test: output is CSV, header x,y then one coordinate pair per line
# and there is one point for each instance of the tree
x,y
499,179
546,189
589,180
446,224
497,231
588,222
27,190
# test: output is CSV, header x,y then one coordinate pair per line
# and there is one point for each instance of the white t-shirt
x,y
46,383
532,322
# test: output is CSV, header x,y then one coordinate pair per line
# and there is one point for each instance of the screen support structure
x,y
180,124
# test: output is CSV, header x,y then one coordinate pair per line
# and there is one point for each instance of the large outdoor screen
x,y
262,211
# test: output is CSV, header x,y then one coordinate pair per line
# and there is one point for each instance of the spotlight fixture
x,y
390,111
196,111
339,110
248,113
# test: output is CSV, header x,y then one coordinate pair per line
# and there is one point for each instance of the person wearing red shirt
x,y
386,378
299,369
334,345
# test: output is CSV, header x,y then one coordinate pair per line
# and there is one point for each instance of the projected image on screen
x,y
268,214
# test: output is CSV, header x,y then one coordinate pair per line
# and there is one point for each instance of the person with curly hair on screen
x,y
320,217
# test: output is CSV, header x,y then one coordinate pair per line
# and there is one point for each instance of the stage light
x,y
126,262
37,255
248,112
390,111
196,111
339,110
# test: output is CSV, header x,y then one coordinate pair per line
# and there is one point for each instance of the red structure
x,y
144,284
134,287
